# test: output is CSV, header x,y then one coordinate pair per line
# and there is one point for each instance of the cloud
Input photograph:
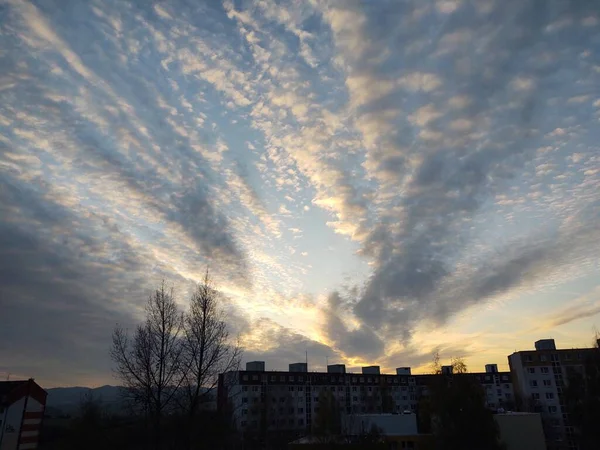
x,y
583,307
360,341
445,173
448,150
279,346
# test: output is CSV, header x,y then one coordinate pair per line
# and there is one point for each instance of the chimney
x,y
299,367
545,344
255,366
370,370
336,368
446,370
491,368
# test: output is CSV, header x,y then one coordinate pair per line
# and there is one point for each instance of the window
x,y
535,395
291,410
292,421
244,423
531,369
281,399
245,377
354,379
301,422
272,377
301,410
300,378
504,377
568,357
244,412
292,378
340,389
370,388
499,391
550,395
353,388
403,388
506,386
528,358
547,382
544,370
369,380
245,388
300,388
507,395
254,388
543,358
533,383
361,379
316,399
291,388
244,399
355,398
552,409
282,378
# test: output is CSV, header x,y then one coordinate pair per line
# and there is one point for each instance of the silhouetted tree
x,y
207,348
457,413
328,420
149,364
582,398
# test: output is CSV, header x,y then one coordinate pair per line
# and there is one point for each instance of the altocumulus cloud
x,y
452,145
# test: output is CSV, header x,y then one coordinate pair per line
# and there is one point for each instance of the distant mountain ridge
x,y
67,400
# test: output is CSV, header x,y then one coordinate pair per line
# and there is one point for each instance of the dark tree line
x,y
582,399
455,411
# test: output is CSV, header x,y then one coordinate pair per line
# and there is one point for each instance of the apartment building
x,y
272,400
539,378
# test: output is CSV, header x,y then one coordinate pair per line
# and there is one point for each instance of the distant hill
x,y
67,400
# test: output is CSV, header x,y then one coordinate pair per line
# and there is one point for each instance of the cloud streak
x,y
351,171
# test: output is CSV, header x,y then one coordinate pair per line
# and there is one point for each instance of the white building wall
x,y
12,425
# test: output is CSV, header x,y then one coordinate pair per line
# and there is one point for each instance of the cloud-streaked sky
x,y
367,180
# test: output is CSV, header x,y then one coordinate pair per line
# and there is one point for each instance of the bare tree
x,y
436,368
149,364
207,347
458,365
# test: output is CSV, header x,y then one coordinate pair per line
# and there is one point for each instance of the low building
x,y
521,431
387,431
22,405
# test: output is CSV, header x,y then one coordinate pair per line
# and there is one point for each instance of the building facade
x,y
540,378
271,400
22,405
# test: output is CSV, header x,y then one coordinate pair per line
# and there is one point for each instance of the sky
x,y
369,182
